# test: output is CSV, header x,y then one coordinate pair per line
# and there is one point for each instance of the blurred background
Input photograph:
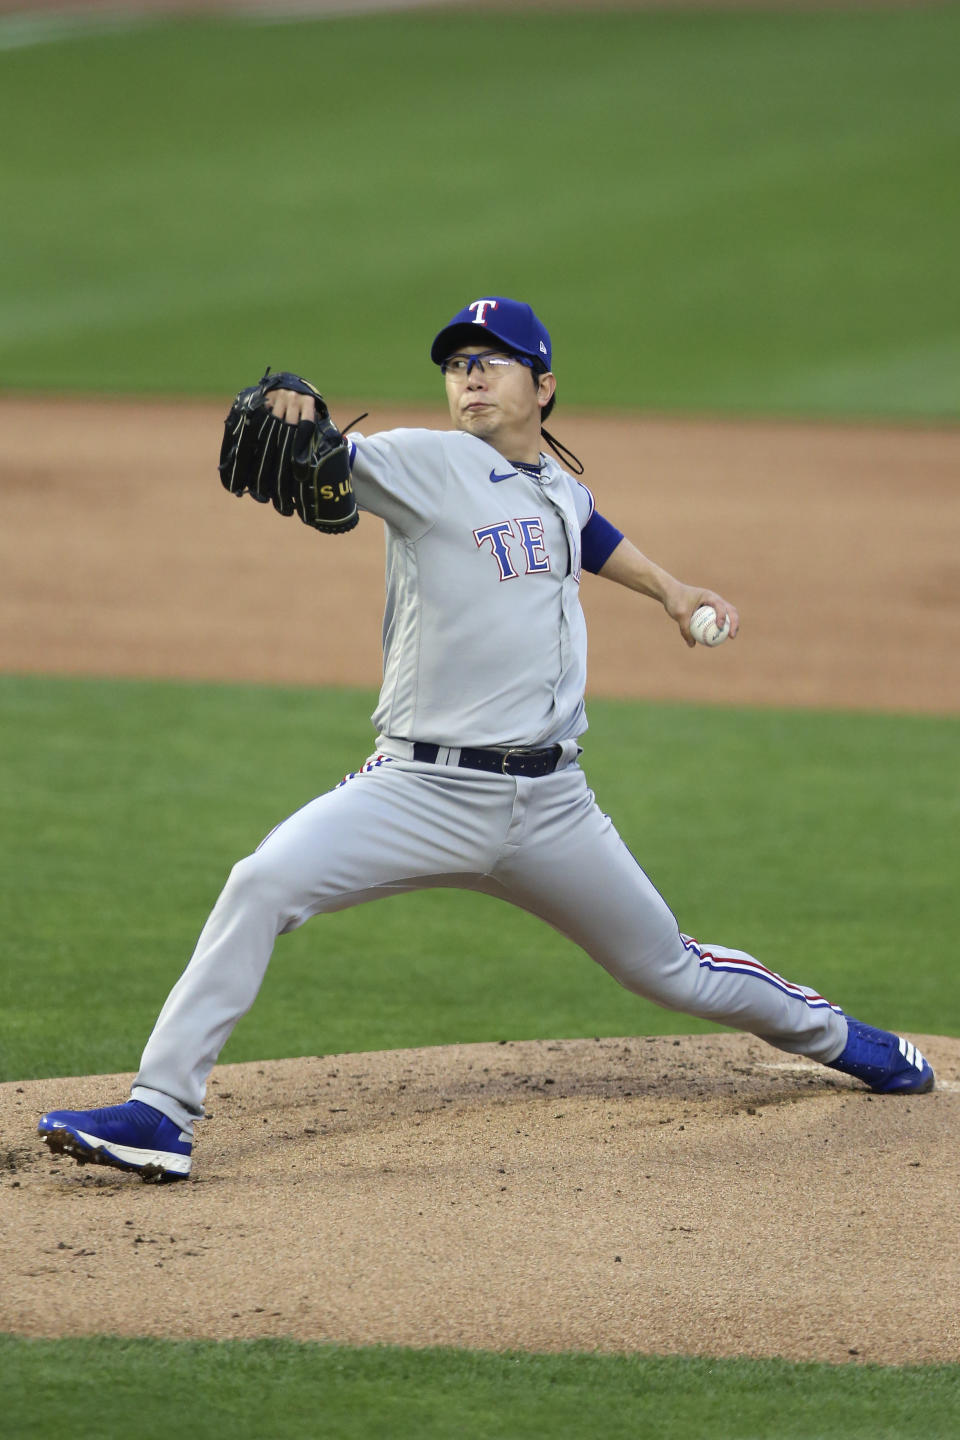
x,y
744,210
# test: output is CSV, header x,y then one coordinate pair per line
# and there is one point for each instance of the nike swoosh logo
x,y
495,478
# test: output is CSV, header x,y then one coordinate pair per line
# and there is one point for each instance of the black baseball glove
x,y
301,468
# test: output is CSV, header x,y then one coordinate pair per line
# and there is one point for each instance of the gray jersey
x,y
484,640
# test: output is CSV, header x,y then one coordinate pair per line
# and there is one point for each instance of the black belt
x,y
500,762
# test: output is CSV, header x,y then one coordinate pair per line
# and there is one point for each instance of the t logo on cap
x,y
511,322
481,307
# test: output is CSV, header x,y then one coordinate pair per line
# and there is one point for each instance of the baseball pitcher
x,y
475,779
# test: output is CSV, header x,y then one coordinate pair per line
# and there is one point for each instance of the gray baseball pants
x,y
542,844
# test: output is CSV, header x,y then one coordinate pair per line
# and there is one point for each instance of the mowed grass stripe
x,y
715,211
96,1389
822,843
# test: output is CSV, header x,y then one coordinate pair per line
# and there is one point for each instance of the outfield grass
x,y
730,211
275,1390
123,805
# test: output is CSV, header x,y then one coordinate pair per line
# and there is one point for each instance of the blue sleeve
x,y
598,540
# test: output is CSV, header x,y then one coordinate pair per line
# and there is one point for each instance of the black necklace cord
x,y
564,455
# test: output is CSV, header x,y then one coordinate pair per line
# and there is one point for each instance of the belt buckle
x,y
506,757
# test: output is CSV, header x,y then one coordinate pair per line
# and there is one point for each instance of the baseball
x,y
704,627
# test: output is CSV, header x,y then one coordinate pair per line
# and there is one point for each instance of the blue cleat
x,y
132,1136
887,1063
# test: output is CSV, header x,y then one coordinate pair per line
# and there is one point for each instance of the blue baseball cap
x,y
510,321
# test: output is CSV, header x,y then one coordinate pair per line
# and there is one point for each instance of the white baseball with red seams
x,y
704,627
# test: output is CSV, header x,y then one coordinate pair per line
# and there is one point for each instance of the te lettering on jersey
x,y
528,532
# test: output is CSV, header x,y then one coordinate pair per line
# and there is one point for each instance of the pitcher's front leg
x,y
585,882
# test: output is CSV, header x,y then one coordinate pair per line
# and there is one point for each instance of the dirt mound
x,y
707,1195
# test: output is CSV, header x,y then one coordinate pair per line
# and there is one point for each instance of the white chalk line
x,y
22,30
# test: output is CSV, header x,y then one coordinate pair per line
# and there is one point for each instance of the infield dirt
x,y
123,555
701,1195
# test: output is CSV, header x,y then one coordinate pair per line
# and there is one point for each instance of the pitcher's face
x,y
494,395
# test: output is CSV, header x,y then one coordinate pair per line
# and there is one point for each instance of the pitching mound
x,y
707,1195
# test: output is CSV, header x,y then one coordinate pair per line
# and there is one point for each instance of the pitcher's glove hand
x,y
301,468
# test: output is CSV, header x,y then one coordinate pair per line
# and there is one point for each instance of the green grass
x,y
725,211
100,1389
124,804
